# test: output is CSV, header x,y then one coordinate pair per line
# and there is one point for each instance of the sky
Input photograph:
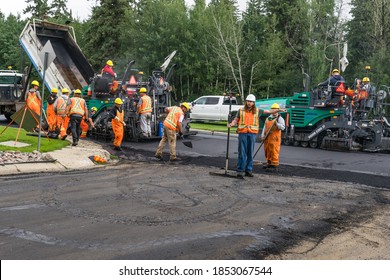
x,y
80,8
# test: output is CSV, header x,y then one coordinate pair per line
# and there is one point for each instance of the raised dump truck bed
x,y
70,69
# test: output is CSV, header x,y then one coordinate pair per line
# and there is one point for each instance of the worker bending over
x,y
172,125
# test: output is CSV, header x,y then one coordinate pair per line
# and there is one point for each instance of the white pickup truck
x,y
213,108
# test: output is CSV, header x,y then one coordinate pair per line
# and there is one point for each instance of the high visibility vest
x,y
248,122
120,115
32,100
270,128
77,106
61,105
146,106
173,117
341,88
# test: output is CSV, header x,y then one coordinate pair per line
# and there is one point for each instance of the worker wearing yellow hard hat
x,y
144,109
272,138
108,71
116,116
33,100
172,125
77,111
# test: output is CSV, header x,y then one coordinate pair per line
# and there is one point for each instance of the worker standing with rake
x,y
272,137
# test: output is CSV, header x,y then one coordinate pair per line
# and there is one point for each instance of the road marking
x,y
22,207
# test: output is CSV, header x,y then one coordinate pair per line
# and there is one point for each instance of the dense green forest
x,y
266,50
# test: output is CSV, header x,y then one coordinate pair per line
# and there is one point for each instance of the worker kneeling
x,y
116,116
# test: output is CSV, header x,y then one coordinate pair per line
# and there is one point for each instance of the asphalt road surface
x,y
146,209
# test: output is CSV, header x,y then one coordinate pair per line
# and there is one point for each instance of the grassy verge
x,y
212,126
47,144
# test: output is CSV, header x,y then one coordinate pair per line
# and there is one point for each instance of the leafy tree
x,y
10,52
59,11
103,31
38,8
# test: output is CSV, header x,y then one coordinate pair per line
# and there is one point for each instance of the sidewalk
x,y
66,159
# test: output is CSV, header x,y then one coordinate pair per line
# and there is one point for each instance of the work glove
x,y
116,118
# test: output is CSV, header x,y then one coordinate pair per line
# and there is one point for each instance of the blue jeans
x,y
246,145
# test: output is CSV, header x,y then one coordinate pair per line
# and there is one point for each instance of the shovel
x,y
226,173
186,143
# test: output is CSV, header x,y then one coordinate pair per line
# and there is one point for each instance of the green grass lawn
x,y
47,144
212,126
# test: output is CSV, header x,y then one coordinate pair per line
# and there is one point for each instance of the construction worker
x,y
366,85
33,98
172,124
247,119
88,124
116,116
107,70
144,109
272,138
59,108
76,109
51,114
336,82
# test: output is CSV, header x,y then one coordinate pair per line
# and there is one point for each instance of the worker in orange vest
x,y
247,119
76,109
144,109
272,137
87,124
51,114
116,116
59,108
172,125
33,100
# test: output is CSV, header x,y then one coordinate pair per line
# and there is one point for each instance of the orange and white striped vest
x,y
146,106
248,122
77,106
173,117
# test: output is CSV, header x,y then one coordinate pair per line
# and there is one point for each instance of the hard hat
x,y
143,90
118,101
65,90
366,79
275,106
54,90
251,97
186,105
94,109
77,91
109,63
335,71
35,83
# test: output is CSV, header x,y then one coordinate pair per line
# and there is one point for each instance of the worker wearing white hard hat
x,y
247,119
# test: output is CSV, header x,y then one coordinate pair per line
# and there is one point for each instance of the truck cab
x,y
11,88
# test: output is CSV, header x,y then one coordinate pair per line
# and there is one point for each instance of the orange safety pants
x,y
117,127
84,128
51,118
64,124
